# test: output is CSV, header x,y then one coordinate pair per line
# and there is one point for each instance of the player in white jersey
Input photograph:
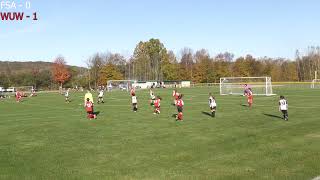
x,y
134,102
283,107
152,97
66,95
212,105
100,96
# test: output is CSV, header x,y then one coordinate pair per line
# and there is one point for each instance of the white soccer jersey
x,y
212,102
134,99
283,104
66,94
152,96
101,94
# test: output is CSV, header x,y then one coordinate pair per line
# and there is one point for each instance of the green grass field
x,y
45,138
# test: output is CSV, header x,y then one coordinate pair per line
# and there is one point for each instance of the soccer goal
x,y
123,85
24,88
237,85
315,83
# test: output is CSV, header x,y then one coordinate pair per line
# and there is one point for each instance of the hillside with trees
x,y
37,73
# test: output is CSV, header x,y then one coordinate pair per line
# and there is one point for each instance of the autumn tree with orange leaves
x,y
60,71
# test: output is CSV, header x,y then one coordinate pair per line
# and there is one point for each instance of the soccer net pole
x,y
314,82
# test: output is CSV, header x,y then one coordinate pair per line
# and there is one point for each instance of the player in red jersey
x,y
157,105
249,95
180,105
175,96
132,91
89,109
18,96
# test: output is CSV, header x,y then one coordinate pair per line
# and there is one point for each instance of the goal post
x,y
123,85
236,85
315,83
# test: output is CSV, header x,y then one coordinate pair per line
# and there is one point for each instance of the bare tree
x,y
94,64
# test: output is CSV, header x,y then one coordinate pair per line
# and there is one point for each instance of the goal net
x,y
24,88
315,83
116,85
237,85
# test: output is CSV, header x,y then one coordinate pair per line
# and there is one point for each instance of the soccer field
x,y
45,138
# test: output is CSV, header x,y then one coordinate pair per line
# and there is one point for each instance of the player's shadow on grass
x,y
206,113
244,105
96,113
271,115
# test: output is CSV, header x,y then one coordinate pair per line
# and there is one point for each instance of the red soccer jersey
x,y
18,96
175,94
180,103
157,103
250,96
89,106
132,91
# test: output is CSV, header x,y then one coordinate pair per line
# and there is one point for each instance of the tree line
x,y
151,60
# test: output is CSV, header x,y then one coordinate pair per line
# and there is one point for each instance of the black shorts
x,y
134,104
180,109
213,108
284,111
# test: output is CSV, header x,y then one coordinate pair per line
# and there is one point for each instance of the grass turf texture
x,y
46,138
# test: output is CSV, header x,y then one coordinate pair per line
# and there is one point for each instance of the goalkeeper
x,y
89,96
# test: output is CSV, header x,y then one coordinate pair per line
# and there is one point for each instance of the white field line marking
x,y
28,114
112,105
165,107
304,107
50,117
316,178
41,105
